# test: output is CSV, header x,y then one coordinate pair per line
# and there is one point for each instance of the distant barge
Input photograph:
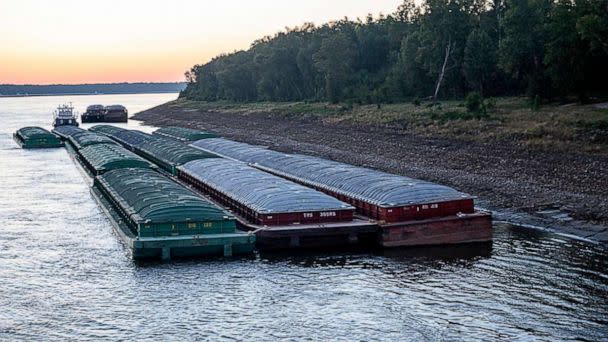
x,y
36,137
99,113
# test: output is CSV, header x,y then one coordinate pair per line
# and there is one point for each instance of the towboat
x,y
64,116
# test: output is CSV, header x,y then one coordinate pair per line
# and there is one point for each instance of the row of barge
x,y
180,192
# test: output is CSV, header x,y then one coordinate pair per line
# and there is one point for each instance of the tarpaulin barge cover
x,y
166,218
101,158
65,132
36,137
168,153
130,139
409,212
382,196
183,134
86,138
263,198
106,129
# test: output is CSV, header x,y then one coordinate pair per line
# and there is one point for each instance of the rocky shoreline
x,y
562,191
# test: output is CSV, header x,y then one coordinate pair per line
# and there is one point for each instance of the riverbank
x,y
543,168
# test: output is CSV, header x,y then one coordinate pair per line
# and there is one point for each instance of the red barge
x,y
282,213
406,211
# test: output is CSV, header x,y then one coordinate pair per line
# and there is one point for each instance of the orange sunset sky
x,y
61,41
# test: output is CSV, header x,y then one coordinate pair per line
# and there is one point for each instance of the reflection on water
x,y
65,275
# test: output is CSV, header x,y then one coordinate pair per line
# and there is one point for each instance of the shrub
x,y
536,103
490,104
473,102
475,105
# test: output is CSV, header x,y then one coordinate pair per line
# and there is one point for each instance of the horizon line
x,y
92,83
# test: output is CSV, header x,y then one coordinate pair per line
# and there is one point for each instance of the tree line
x,y
439,49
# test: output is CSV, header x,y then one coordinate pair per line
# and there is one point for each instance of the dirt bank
x,y
560,190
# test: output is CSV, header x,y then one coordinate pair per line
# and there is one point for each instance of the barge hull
x,y
343,235
25,145
166,248
101,118
457,229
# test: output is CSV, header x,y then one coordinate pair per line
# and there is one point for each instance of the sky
x,y
66,41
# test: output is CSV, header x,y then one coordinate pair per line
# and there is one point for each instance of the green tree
x,y
522,45
439,48
479,59
443,32
336,59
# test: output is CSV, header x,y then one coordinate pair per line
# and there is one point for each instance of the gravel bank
x,y
561,191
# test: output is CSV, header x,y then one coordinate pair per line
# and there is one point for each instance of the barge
x,y
159,218
168,154
65,132
36,137
93,113
115,113
283,214
99,113
259,185
183,134
86,138
155,216
165,152
101,158
408,211
129,139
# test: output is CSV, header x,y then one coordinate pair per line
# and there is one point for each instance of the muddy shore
x,y
562,191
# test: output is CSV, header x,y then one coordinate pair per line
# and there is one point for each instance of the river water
x,y
64,274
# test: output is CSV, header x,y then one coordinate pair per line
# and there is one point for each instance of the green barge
x,y
185,135
159,218
168,154
101,158
154,216
36,137
86,138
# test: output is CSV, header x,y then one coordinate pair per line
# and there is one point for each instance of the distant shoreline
x,y
88,94
23,90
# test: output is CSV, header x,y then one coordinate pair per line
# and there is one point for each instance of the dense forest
x,y
440,49
99,88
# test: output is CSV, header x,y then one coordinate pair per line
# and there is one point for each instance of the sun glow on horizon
x,y
68,41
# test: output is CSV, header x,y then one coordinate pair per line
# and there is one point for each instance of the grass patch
x,y
457,115
552,126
